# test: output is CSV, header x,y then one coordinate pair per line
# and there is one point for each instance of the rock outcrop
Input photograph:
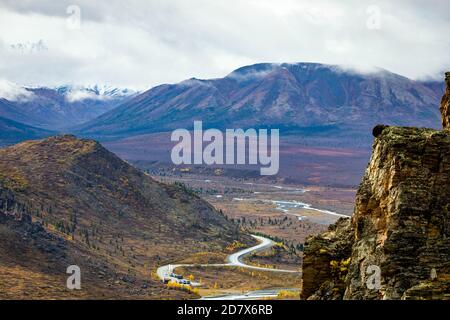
x,y
401,221
397,243
326,261
445,104
400,226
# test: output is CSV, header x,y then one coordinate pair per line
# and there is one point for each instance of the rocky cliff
x,y
326,259
396,245
445,104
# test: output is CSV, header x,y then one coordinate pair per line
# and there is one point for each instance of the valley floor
x,y
285,213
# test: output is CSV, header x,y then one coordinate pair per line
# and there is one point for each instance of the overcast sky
x,y
145,43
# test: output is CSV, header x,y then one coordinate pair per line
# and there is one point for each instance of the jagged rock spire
x,y
445,104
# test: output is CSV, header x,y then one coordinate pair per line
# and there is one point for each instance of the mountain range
x,y
295,97
57,109
306,98
317,108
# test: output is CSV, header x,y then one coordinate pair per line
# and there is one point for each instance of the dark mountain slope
x,y
13,132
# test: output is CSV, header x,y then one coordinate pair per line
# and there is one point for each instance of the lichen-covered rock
x,y
402,214
445,104
325,262
429,290
400,225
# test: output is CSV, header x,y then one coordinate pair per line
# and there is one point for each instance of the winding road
x,y
233,260
236,258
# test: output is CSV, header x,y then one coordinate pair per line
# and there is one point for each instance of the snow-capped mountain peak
x,y
93,92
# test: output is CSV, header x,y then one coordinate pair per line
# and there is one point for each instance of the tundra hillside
x,y
66,201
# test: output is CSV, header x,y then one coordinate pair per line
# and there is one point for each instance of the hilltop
x,y
68,201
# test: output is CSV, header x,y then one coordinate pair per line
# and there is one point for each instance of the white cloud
x,y
79,95
13,92
145,43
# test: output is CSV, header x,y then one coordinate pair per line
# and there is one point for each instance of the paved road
x,y
234,260
251,295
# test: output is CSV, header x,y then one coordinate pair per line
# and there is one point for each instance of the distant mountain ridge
x,y
13,132
58,108
292,96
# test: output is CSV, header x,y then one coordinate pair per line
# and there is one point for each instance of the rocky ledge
x,y
397,243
